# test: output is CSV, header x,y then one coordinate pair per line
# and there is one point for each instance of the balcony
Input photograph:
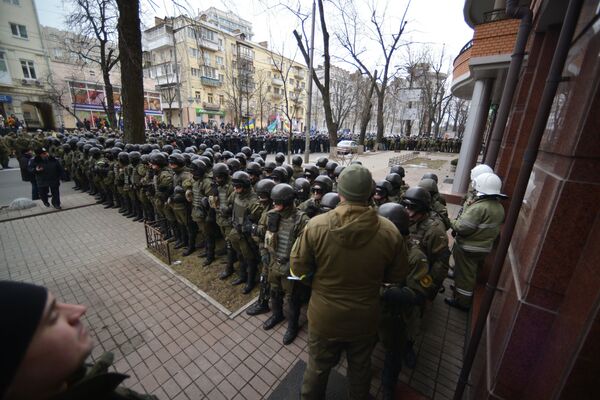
x,y
276,96
211,106
276,82
298,74
296,97
487,55
155,42
208,44
166,80
207,81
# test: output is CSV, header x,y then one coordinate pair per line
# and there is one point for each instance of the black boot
x,y
392,365
179,236
261,305
210,251
191,244
293,327
129,207
251,277
242,274
138,210
277,311
231,257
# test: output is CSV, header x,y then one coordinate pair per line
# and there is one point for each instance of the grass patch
x,y
207,278
427,162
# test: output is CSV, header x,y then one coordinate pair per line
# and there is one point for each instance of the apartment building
x,y
212,76
24,68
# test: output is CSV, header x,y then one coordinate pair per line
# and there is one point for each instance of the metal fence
x,y
156,241
403,158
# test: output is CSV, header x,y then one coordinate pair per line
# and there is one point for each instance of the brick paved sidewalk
x,y
170,340
67,202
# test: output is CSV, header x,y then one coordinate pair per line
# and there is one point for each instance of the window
x,y
210,98
197,96
3,64
13,2
210,72
221,77
208,35
193,52
220,44
206,59
28,69
219,60
221,99
18,30
195,72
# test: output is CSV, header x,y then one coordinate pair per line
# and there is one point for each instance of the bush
x,y
454,162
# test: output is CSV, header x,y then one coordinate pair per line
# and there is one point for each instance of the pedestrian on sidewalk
x,y
47,171
43,348
26,175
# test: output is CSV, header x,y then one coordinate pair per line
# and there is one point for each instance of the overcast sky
x,y
438,24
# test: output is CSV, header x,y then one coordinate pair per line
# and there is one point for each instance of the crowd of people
x,y
367,255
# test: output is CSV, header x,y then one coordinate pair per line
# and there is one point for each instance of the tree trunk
x,y
110,100
380,123
332,126
132,83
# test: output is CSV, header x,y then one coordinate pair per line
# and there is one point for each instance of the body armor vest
x,y
197,192
222,197
285,238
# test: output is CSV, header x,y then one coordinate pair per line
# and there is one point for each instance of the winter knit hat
x,y
21,309
355,183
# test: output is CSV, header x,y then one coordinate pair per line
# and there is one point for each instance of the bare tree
x,y
367,90
95,24
350,36
302,40
434,83
132,81
59,95
261,94
459,112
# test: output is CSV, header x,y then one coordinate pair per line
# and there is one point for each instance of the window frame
x,y
20,32
30,68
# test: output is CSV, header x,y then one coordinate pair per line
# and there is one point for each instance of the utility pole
x,y
310,81
177,72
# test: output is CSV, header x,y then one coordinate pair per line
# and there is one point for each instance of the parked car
x,y
347,147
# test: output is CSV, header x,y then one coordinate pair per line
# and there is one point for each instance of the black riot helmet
x,y
226,155
234,165
202,147
329,201
247,151
145,148
322,162
123,158
270,166
242,179
289,170
253,169
216,148
324,182
177,159
330,168
430,175
198,168
397,169
221,171
135,157
283,194
279,158
429,184
207,161
395,180
417,198
338,170
302,188
145,158
95,152
311,171
397,214
279,175
263,190
263,154
383,188
167,148
297,161
241,157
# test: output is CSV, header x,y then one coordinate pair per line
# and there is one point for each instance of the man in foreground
x,y
345,255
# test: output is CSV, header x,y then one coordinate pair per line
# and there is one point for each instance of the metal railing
x,y
495,15
466,47
403,158
156,241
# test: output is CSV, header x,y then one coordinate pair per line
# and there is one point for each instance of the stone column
x,y
471,144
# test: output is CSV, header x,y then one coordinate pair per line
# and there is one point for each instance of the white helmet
x,y
480,169
487,184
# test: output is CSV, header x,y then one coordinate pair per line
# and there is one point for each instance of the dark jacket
x,y
50,174
26,175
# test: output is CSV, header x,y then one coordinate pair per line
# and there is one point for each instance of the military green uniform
x,y
163,185
146,191
202,214
429,234
298,172
345,254
95,382
440,210
219,202
187,229
476,231
282,229
310,207
4,153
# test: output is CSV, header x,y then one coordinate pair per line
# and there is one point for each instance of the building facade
x,y
209,76
543,328
76,88
24,67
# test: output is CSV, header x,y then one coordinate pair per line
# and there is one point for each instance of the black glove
x,y
311,211
399,296
273,219
247,227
